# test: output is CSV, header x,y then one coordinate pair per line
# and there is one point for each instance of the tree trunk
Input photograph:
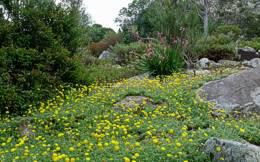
x,y
206,17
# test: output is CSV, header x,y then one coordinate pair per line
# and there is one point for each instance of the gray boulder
x,y
105,55
205,63
237,92
231,151
252,63
140,77
247,53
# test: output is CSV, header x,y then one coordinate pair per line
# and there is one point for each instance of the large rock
x,y
247,53
105,55
237,92
231,151
252,63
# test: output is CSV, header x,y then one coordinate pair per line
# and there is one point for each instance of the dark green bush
x,y
215,47
128,53
233,31
22,73
28,76
39,43
160,60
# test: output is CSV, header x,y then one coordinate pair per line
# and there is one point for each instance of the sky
x,y
104,12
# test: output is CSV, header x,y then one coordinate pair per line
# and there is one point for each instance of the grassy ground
x,y
81,127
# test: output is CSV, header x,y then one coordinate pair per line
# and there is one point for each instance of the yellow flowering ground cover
x,y
84,126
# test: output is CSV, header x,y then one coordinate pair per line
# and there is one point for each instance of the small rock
x,y
205,63
117,66
228,63
105,55
252,63
198,72
231,151
140,77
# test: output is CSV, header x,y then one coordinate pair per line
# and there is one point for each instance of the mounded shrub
x,y
215,47
128,53
233,31
28,76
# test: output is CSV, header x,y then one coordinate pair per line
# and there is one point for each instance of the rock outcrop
x,y
231,151
237,92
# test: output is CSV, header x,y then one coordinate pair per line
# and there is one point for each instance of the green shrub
x,y
215,47
108,73
28,76
128,53
161,60
232,31
254,43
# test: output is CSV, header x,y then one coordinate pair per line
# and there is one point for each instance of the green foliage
x,y
84,125
38,44
161,60
128,53
240,13
251,25
164,16
97,32
23,73
232,31
254,43
215,47
107,72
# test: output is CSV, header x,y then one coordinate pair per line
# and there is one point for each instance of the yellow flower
x,y
155,141
116,148
71,149
169,155
163,148
137,144
171,131
136,155
184,134
126,159
178,144
72,160
242,130
60,134
218,149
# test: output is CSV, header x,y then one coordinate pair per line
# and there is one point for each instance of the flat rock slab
x,y
238,92
136,102
231,151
